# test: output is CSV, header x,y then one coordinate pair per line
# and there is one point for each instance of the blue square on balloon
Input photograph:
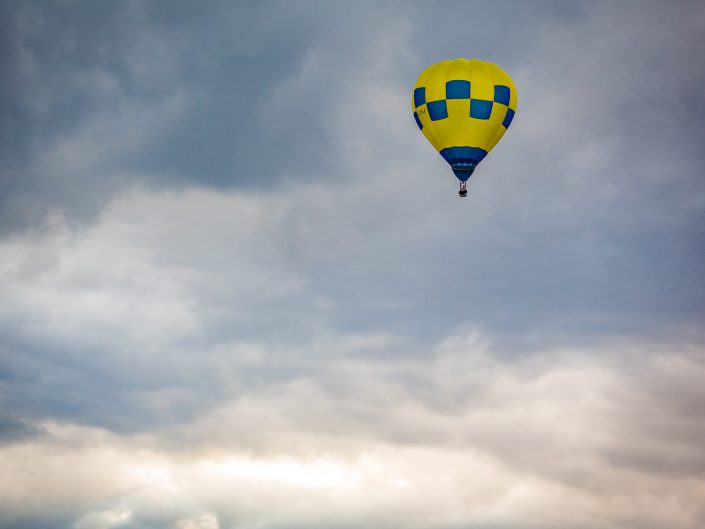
x,y
458,89
419,96
501,94
418,121
437,110
509,116
480,109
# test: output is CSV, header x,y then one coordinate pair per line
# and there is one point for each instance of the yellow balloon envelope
x,y
464,107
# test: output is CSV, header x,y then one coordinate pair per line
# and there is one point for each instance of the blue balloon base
x,y
463,172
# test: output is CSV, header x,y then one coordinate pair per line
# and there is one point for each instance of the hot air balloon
x,y
464,107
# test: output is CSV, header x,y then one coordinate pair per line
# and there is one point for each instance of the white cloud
x,y
204,521
460,438
104,519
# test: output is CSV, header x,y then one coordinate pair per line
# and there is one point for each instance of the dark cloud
x,y
100,97
14,429
97,97
224,240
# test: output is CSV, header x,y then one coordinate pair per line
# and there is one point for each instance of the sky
x,y
238,289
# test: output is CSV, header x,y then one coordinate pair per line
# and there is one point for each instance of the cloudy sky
x,y
238,289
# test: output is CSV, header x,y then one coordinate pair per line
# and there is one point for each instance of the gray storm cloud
x,y
237,290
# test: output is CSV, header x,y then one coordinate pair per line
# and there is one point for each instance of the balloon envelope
x,y
464,107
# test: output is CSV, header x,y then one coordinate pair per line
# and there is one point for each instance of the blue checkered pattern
x,y
419,97
437,110
459,89
480,109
